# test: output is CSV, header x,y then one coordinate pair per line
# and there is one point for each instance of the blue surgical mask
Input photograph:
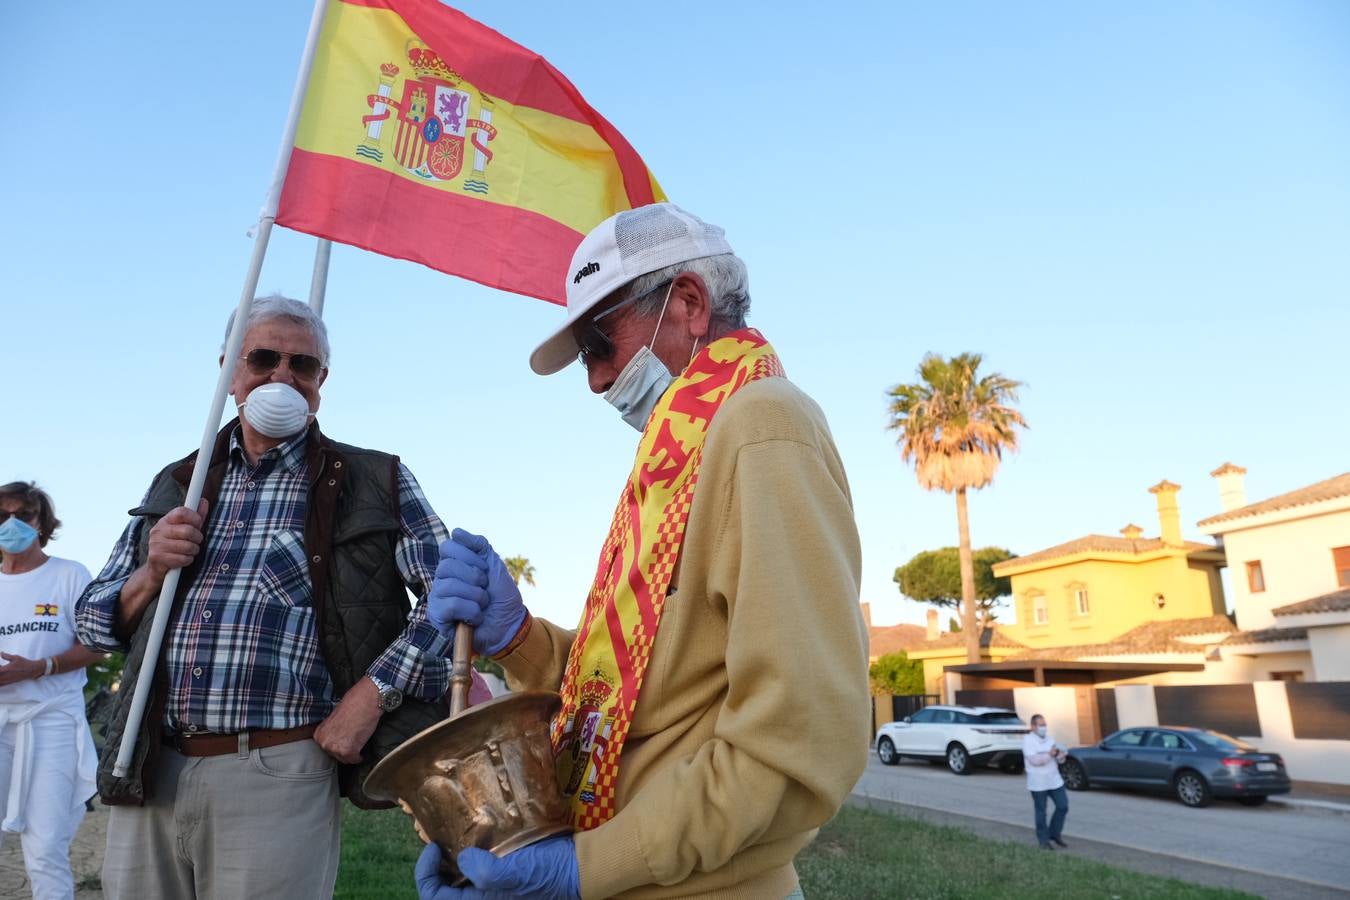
x,y
642,382
16,535
639,387
1040,731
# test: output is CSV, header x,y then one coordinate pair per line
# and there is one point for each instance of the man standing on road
x,y
715,692
1042,756
292,659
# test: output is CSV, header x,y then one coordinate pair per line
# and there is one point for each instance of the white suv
x,y
965,736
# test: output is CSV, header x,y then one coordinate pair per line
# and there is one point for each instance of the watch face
x,y
390,699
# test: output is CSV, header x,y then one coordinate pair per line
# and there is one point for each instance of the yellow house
x,y
1095,588
941,650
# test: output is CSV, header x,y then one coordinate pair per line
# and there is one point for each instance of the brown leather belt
x,y
221,744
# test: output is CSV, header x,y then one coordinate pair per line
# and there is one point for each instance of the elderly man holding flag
x,y
715,690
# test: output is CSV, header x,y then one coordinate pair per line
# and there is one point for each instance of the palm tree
x,y
954,426
519,567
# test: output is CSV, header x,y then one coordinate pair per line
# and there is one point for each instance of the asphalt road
x,y
1307,849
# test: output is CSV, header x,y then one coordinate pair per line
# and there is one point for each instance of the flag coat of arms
x,y
427,136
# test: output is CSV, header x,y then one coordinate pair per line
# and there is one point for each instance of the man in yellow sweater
x,y
715,701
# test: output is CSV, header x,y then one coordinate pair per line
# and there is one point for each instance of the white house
x,y
1289,561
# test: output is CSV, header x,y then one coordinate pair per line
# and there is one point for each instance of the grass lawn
x,y
869,854
861,854
379,848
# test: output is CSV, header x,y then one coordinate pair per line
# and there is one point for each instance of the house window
x,y
1040,610
1256,581
1341,557
1080,601
1286,676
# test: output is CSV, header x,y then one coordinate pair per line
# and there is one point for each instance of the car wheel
x,y
958,760
1191,789
1252,801
886,752
1075,776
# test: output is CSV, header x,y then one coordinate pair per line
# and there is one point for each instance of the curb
x,y
1322,806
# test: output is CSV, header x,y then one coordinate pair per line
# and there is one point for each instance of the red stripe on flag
x,y
500,246
498,66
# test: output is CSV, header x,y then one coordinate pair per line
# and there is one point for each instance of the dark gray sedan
x,y
1194,764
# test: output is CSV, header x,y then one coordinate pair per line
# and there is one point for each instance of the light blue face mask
x,y
643,380
16,535
639,387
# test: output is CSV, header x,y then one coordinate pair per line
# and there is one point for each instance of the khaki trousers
x,y
261,825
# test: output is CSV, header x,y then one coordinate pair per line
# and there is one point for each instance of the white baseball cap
x,y
623,247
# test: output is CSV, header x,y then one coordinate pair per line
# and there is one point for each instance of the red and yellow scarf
x,y
609,658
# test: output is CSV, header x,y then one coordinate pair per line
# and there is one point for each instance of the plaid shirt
x,y
242,651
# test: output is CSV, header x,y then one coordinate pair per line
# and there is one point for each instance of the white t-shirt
x,y
1041,776
37,620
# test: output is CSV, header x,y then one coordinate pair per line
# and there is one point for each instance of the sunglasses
x,y
26,515
593,342
261,361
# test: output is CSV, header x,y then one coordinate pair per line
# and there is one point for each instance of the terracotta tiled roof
x,y
1098,543
1267,636
1151,637
990,637
1336,601
1322,490
890,638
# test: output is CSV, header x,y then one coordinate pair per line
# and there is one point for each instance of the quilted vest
x,y
360,603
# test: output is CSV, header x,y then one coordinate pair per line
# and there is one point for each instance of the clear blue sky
x,y
1141,211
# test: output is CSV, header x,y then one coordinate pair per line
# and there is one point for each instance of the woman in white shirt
x,y
1042,756
47,759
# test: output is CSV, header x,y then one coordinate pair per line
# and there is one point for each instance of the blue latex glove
x,y
543,871
473,585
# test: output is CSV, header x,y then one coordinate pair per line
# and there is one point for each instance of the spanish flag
x,y
426,135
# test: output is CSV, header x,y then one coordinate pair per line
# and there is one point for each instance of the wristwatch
x,y
390,697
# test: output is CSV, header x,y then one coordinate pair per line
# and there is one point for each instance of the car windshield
x,y
1221,742
999,718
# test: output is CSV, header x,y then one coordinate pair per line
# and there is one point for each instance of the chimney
x,y
1169,514
1132,531
1232,487
932,634
867,614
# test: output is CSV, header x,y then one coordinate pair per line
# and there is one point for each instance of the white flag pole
x,y
150,661
318,284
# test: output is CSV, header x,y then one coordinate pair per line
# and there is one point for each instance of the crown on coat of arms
x,y
389,70
426,63
596,689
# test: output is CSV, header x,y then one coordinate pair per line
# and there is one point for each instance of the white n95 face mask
x,y
276,410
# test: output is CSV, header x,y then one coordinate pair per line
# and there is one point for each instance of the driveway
x,y
1308,846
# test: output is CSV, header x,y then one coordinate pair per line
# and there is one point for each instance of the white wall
x,y
1136,706
1295,559
1306,760
1059,706
1330,652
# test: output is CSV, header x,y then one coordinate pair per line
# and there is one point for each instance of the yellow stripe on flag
x,y
538,161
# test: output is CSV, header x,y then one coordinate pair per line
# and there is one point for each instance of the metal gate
x,y
908,704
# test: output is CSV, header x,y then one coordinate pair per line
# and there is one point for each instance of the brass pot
x,y
482,778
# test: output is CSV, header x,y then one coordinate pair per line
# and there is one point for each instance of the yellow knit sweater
x,y
752,724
